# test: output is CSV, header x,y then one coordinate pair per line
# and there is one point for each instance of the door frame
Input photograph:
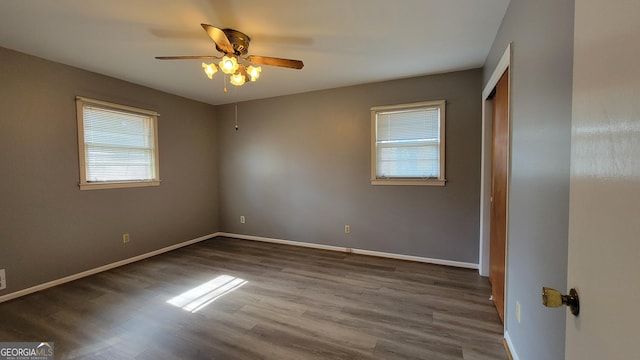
x,y
485,168
485,172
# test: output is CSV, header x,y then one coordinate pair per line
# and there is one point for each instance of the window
x,y
407,146
118,145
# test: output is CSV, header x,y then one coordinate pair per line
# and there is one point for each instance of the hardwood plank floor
x,y
297,303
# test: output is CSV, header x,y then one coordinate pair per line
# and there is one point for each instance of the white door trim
x,y
485,167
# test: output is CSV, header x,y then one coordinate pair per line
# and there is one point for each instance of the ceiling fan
x,y
235,45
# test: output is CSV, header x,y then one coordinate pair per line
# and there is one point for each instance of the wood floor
x,y
288,303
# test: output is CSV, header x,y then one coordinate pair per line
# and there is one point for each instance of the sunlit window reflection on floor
x,y
203,295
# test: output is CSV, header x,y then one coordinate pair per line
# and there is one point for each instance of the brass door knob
x,y
553,298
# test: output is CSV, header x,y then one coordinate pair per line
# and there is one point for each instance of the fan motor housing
x,y
239,41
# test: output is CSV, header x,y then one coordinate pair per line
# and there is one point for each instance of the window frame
x,y
82,154
375,180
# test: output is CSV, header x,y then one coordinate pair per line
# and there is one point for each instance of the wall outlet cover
x,y
3,279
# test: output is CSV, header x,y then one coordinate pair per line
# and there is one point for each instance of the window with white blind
x,y
118,145
407,146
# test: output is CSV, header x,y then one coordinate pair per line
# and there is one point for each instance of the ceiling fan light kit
x,y
235,45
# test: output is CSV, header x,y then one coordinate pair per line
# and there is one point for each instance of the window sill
x,y
412,182
117,184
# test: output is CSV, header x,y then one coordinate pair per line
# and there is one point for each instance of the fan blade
x,y
188,57
271,61
219,37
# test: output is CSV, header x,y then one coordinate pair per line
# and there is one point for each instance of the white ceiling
x,y
342,42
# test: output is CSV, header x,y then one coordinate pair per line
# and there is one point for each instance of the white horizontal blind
x,y
119,146
408,143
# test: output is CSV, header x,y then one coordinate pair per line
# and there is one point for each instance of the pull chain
x,y
236,117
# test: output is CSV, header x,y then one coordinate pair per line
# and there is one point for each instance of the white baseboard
x,y
512,349
66,279
353,251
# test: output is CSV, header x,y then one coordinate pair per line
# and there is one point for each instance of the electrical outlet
x,y
347,229
3,279
125,238
242,219
518,311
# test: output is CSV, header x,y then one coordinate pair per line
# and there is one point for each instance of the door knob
x,y
553,298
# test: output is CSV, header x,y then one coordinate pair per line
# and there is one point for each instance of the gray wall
x,y
48,227
541,90
299,169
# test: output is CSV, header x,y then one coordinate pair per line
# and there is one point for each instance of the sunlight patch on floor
x,y
197,298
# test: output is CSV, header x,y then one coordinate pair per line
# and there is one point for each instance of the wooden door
x,y
499,178
604,208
